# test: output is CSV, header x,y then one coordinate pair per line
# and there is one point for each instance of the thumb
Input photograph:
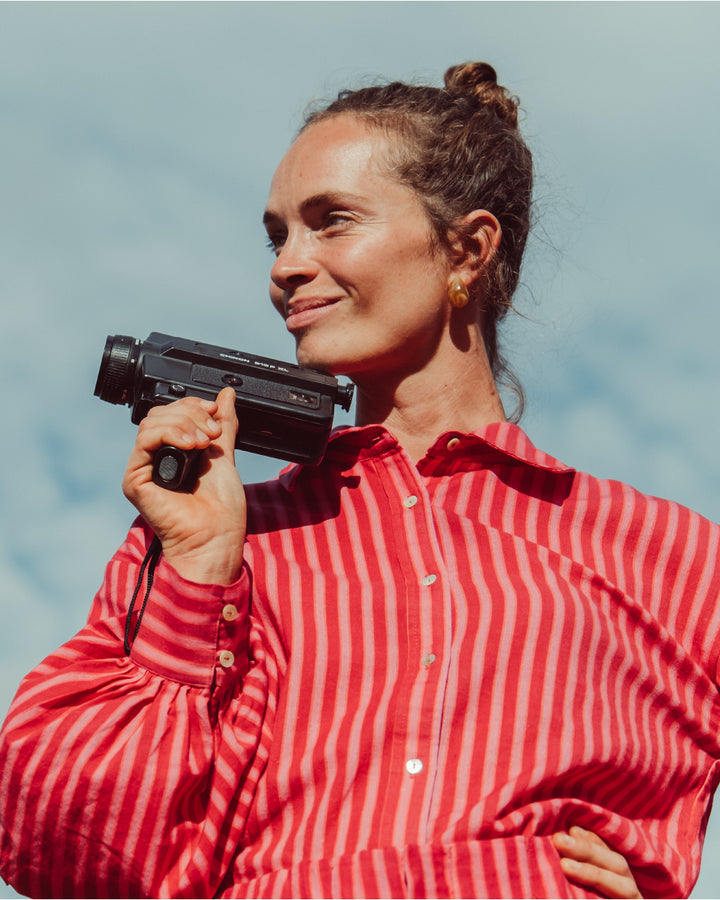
x,y
227,420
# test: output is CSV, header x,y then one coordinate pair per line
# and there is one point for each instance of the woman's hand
x,y
201,532
586,858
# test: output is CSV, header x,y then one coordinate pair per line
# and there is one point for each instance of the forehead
x,y
337,154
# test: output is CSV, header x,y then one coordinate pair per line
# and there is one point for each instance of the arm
x,y
586,858
117,772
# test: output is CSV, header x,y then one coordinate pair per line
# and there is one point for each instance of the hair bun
x,y
479,81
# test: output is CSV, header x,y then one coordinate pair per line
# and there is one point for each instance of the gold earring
x,y
458,293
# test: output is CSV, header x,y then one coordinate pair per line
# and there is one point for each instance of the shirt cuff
x,y
189,629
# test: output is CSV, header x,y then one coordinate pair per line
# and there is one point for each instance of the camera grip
x,y
176,469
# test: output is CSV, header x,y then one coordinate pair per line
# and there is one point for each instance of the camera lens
x,y
117,369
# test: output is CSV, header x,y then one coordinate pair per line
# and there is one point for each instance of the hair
x,y
460,149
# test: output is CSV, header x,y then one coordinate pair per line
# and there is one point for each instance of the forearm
x,y
109,763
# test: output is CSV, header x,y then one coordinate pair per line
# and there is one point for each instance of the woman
x,y
434,664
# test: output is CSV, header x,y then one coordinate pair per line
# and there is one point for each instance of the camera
x,y
284,410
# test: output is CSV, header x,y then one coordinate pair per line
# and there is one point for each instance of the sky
x,y
137,144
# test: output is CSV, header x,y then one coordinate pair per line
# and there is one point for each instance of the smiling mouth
x,y
297,307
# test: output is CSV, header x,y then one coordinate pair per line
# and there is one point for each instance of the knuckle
x,y
169,408
128,487
142,431
180,435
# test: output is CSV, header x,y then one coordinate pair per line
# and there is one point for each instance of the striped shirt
x,y
421,674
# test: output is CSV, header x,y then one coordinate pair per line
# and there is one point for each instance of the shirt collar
x,y
504,438
349,443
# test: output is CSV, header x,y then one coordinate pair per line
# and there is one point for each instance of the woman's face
x,y
355,277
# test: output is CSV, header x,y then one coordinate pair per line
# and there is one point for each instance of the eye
x,y
335,220
275,242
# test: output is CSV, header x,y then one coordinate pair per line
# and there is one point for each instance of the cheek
x,y
408,256
373,270
407,275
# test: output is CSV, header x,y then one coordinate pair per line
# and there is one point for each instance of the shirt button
x,y
414,766
410,501
227,658
427,660
230,612
453,443
429,579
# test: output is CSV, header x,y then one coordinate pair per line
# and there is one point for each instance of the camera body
x,y
284,410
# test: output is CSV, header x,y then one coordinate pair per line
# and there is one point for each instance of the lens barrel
x,y
117,369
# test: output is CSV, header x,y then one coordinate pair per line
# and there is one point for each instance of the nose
x,y
294,264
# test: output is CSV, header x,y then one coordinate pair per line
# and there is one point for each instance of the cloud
x,y
137,142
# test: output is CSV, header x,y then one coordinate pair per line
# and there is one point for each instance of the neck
x,y
417,408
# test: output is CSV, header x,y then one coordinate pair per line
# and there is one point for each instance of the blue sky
x,y
137,142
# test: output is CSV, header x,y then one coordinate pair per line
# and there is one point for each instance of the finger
x,y
186,426
226,419
609,884
586,846
186,403
577,832
585,857
201,412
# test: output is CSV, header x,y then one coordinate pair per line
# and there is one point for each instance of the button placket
x,y
414,531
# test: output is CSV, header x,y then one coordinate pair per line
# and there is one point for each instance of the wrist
x,y
185,628
217,562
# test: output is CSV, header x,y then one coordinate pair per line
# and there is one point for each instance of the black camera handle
x,y
176,469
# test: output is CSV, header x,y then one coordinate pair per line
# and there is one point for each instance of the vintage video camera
x,y
284,410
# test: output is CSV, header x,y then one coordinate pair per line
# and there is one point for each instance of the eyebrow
x,y
326,198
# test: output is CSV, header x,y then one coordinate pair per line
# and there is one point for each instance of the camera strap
x,y
150,563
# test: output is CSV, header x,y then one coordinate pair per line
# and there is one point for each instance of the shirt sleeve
x,y
132,776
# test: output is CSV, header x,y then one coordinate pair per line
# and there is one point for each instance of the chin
x,y
321,364
314,358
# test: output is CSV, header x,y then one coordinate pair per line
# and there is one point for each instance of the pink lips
x,y
302,312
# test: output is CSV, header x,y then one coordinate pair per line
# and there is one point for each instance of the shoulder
x,y
660,552
626,510
657,551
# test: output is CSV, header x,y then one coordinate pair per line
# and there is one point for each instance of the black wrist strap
x,y
150,563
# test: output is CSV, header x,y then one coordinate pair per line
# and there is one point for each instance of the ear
x,y
474,242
